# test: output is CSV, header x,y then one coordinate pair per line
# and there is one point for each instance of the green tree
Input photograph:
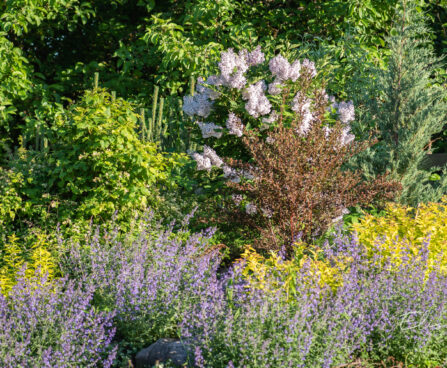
x,y
404,105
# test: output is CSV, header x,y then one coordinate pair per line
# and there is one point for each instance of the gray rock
x,y
162,351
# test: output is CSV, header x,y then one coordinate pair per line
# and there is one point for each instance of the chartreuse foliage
x,y
400,233
36,260
404,229
99,161
273,271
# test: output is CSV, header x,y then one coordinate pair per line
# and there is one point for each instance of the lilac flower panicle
x,y
257,104
251,209
208,159
232,68
275,87
267,212
280,67
237,199
294,72
203,162
256,57
231,174
310,67
234,125
199,104
210,129
212,155
202,88
274,116
301,105
347,137
346,111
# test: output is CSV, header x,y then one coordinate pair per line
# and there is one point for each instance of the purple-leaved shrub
x,y
393,310
53,324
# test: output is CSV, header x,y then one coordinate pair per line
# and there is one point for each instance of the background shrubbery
x,y
285,124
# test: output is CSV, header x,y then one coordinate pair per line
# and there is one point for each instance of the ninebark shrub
x,y
299,182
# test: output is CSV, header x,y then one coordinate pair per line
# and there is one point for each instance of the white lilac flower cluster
x,y
301,105
253,58
235,176
232,67
237,199
207,160
282,70
234,125
257,104
344,211
251,209
210,129
346,111
310,66
199,104
346,114
202,102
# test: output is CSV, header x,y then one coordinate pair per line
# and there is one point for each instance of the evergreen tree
x,y
405,107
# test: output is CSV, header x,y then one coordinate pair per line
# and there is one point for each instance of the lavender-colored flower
x,y
150,277
269,140
251,209
234,125
294,71
280,67
231,174
337,219
53,324
275,87
274,116
232,68
203,162
346,136
266,212
346,111
212,155
202,88
301,105
395,310
210,130
256,57
310,66
237,199
199,104
257,104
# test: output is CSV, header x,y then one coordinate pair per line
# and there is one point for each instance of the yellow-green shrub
x,y
412,226
273,272
14,257
401,229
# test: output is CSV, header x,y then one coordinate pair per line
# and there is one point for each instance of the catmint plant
x,y
284,144
377,312
149,280
53,324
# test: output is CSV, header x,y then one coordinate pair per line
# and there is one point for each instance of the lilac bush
x,y
53,324
378,311
149,280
